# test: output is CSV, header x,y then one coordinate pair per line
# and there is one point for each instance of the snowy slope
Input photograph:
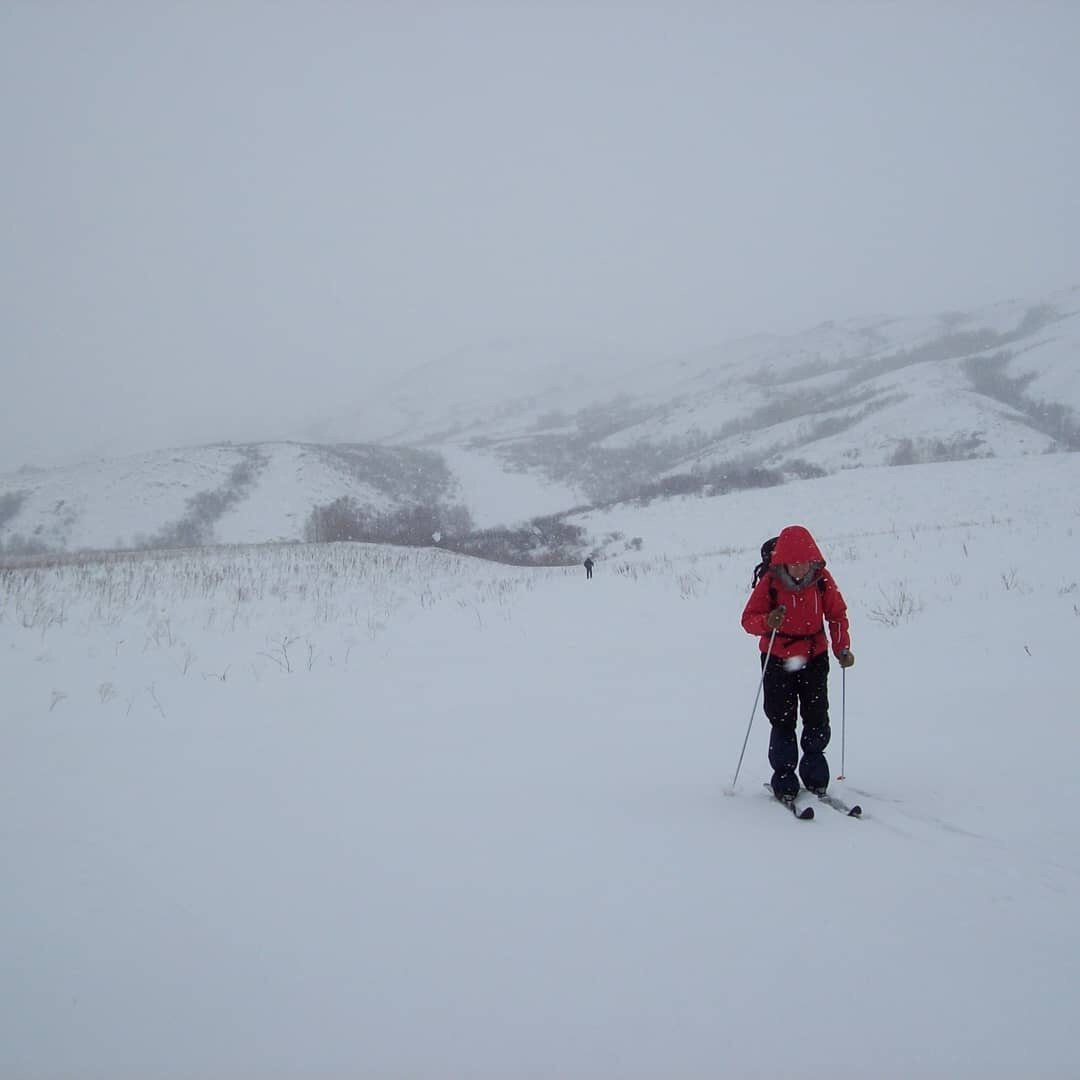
x,y
512,388
496,496
930,404
500,381
914,501
250,493
108,503
353,811
293,480
1053,361
834,413
1003,381
518,430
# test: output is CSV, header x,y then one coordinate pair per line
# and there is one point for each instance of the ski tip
x,y
855,811
805,815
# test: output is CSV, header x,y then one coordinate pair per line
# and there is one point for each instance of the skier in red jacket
x,y
795,596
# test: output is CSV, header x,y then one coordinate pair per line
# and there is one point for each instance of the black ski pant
x,y
788,692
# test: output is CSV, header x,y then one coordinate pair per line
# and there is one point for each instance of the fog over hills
x,y
515,431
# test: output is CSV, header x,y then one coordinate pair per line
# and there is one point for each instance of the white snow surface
x,y
335,811
496,496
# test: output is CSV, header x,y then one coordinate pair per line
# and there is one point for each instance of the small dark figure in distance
x,y
588,568
794,598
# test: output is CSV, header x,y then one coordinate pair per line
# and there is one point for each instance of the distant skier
x,y
796,596
588,568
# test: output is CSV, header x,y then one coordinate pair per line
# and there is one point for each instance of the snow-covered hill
x,y
517,430
862,392
341,810
225,494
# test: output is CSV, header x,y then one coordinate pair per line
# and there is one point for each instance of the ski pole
x,y
760,684
843,721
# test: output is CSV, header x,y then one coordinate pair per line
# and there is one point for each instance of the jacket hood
x,y
794,545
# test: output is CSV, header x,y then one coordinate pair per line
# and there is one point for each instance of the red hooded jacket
x,y
810,604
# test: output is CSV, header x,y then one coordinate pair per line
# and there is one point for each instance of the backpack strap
x,y
822,587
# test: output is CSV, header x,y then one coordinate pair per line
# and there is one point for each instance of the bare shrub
x,y
421,476
1011,579
545,541
803,470
343,519
280,654
927,451
23,547
346,519
11,502
896,607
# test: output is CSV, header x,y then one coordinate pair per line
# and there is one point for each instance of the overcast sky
x,y
224,219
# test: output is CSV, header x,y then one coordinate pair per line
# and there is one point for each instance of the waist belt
x,y
800,637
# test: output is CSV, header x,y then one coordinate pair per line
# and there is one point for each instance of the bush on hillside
x,y
544,541
11,502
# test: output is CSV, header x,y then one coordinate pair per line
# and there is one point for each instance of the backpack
x,y
766,557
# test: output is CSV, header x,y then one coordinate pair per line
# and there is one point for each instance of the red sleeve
x,y
757,607
836,614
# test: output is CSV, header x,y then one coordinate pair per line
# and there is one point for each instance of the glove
x,y
775,618
846,658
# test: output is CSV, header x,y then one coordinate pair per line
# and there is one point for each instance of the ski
x,y
805,814
839,804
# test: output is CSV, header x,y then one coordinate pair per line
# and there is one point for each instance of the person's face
x,y
798,570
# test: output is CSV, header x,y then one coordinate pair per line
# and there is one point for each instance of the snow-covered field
x,y
350,811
